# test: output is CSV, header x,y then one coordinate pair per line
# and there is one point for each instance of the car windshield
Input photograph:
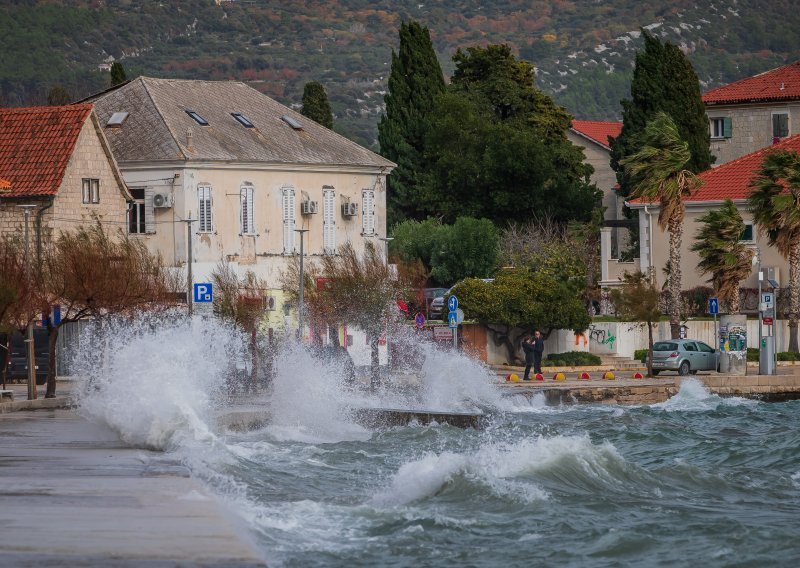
x,y
665,346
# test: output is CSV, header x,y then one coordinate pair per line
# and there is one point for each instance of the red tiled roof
x,y
779,84
36,144
732,179
5,184
598,131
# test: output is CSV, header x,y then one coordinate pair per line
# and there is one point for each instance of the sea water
x,y
697,480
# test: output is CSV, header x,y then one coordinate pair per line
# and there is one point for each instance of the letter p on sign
x,y
203,292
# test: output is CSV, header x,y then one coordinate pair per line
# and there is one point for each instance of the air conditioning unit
x,y
270,303
309,207
349,209
162,200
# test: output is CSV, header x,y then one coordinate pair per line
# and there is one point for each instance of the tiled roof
x,y
157,127
597,131
732,179
779,84
4,184
36,145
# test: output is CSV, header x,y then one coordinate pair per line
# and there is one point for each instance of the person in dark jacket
x,y
527,347
538,347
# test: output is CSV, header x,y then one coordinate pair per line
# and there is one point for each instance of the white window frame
x,y
138,213
246,209
788,123
205,209
288,214
328,220
367,212
90,191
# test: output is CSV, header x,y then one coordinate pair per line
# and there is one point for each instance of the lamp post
x,y
26,210
757,260
386,248
189,278
301,306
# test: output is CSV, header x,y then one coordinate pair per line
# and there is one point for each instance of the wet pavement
x,y
73,494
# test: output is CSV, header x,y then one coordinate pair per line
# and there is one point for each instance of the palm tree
x,y
658,173
775,202
722,253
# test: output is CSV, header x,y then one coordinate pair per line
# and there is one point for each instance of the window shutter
x,y
727,127
205,209
368,212
328,221
288,220
149,225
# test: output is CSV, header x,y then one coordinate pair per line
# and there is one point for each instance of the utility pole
x,y
301,307
32,394
189,298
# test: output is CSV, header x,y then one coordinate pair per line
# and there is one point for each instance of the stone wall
x,y
751,128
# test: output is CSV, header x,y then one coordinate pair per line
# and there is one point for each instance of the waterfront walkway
x,y
72,494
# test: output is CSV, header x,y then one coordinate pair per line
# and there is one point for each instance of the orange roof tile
x,y
779,84
5,184
36,144
732,179
597,130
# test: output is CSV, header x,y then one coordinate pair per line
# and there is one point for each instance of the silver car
x,y
686,356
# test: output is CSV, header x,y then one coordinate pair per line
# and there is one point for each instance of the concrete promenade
x,y
73,494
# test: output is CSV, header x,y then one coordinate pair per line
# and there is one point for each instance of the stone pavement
x,y
72,494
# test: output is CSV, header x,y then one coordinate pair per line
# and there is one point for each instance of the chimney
x,y
783,86
189,141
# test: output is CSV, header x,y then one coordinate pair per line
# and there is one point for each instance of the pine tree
x,y
414,83
118,74
58,95
315,104
663,81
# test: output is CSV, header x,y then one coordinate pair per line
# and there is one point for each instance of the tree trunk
x,y
675,235
649,349
794,295
375,363
254,360
733,305
52,338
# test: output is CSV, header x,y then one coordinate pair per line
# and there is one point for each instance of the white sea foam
x,y
693,396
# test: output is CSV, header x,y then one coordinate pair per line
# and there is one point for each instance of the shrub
x,y
571,359
788,356
640,355
752,354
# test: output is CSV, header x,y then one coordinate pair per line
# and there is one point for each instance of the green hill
x,y
583,50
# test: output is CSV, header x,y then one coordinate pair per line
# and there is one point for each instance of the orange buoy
x,y
539,377
609,376
584,376
559,377
638,375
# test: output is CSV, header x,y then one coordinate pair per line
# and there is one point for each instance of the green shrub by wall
x,y
571,359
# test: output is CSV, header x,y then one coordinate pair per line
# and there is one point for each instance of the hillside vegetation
x,y
582,49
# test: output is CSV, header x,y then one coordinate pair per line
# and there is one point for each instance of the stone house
x,y
753,113
57,160
594,137
251,171
728,181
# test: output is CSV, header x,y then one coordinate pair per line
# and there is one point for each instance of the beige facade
x,y
751,127
654,247
605,178
90,160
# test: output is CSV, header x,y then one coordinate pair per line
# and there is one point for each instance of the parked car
x,y
686,356
437,306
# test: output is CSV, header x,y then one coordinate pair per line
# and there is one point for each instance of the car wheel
x,y
683,370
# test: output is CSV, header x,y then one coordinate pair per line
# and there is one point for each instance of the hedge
x,y
571,359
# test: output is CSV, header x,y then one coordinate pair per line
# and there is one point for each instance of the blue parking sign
x,y
203,292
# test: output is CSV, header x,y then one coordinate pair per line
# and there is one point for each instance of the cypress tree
x,y
118,74
315,104
414,83
58,95
663,81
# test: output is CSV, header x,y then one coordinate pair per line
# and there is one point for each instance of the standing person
x,y
538,347
527,347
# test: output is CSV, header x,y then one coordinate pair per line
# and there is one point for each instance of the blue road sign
x,y
419,319
452,320
713,306
452,303
203,292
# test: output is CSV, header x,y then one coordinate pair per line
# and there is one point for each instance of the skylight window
x,y
199,119
291,122
117,119
242,119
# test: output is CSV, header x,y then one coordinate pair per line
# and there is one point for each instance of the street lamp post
x,y
301,306
386,248
189,278
32,394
